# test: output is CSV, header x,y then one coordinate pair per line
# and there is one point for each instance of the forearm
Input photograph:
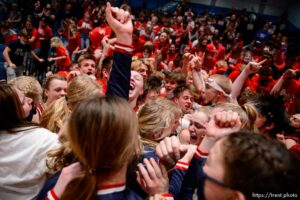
x,y
34,55
58,58
277,87
198,81
238,85
6,57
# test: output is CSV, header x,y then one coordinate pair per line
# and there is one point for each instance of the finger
x,y
159,152
140,179
156,168
262,62
150,169
175,146
122,16
166,156
168,144
126,16
163,170
108,13
144,173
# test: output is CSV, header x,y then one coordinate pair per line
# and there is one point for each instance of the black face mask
x,y
30,116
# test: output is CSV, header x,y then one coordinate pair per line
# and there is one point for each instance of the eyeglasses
x,y
215,181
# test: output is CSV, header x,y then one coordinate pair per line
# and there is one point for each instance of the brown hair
x,y
81,87
103,140
254,163
11,111
53,77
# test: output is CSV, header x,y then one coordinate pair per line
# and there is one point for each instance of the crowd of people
x,y
101,102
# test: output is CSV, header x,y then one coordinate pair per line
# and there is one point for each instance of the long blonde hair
x,y
103,134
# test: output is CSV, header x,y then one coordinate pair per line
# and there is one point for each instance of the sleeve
x,y
177,178
119,81
192,180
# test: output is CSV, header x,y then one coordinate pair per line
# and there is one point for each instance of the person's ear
x,y
237,195
176,100
46,92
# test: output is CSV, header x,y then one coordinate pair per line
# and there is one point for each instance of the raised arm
x,y
251,68
120,22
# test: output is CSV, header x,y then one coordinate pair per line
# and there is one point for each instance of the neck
x,y
113,178
132,102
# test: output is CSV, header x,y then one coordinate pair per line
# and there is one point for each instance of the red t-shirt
x,y
86,26
291,93
36,43
45,33
63,64
73,43
256,86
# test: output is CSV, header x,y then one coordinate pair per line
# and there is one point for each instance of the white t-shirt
x,y
23,169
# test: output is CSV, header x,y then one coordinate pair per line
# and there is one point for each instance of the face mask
x,y
30,116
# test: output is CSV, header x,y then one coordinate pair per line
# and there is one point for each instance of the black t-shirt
x,y
18,51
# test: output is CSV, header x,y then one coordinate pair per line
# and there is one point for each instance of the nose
x,y
63,93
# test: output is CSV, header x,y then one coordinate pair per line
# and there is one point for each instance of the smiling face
x,y
136,85
197,127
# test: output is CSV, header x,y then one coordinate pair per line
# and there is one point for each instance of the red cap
x,y
97,35
211,48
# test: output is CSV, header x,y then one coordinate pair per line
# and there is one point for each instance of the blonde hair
x,y
80,88
155,116
55,115
28,85
223,81
136,64
103,134
246,123
56,42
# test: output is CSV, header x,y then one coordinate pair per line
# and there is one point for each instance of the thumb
x,y
183,148
108,13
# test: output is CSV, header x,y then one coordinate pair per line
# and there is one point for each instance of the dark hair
x,y
11,111
254,163
180,88
272,107
179,78
151,83
86,56
106,64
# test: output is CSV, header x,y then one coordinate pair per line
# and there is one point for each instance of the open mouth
x,y
132,86
89,73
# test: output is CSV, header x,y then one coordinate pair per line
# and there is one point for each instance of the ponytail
x,y
81,188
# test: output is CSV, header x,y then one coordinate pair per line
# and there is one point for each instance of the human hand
x,y
120,22
223,123
290,73
67,175
153,177
169,151
12,65
253,67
